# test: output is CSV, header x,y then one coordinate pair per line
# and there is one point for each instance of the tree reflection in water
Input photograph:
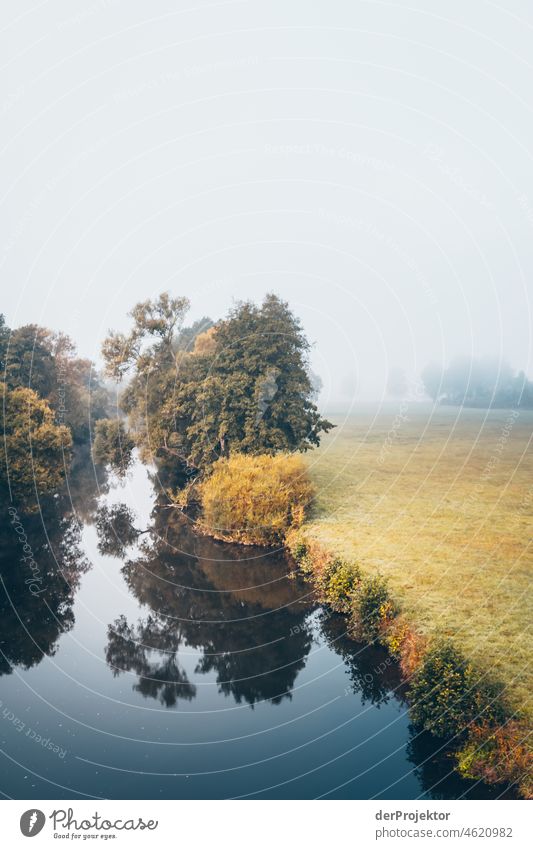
x,y
370,669
235,605
31,623
131,648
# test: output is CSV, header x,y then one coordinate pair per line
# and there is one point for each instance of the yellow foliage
x,y
502,754
36,450
255,500
205,343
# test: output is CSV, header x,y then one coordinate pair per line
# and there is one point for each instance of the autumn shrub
x,y
334,579
312,558
255,500
447,695
372,609
405,644
338,584
298,549
497,755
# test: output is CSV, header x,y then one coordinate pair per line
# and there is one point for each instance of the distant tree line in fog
x,y
474,382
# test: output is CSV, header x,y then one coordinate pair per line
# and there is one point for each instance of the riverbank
x,y
436,502
447,695
440,502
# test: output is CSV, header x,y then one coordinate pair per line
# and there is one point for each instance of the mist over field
x,y
373,168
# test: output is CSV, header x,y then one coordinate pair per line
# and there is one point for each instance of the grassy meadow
x,y
439,500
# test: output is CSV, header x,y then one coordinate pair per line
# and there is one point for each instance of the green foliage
x,y
50,397
447,695
197,394
187,338
343,579
372,609
113,445
36,450
337,584
260,363
497,754
255,500
299,552
35,358
149,344
29,360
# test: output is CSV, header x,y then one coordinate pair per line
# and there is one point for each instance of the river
x,y
166,665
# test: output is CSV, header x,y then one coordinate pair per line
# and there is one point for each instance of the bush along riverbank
x,y
253,500
447,696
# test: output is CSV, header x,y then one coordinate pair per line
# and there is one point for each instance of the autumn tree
x,y
34,357
241,385
149,344
259,385
79,397
29,360
36,450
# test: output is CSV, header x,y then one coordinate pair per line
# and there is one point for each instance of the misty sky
x,y
372,162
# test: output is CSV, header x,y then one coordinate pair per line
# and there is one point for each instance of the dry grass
x,y
444,509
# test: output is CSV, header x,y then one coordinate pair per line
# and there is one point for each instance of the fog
x,y
369,161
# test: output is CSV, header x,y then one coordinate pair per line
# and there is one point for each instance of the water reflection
x,y
370,671
243,615
41,563
149,649
201,614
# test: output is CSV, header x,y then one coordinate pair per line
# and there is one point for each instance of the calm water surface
x,y
165,665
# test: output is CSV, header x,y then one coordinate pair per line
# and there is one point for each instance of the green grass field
x,y
441,502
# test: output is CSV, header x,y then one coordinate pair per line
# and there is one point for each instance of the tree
x,y
155,322
447,695
257,394
478,383
245,386
79,397
36,450
187,338
34,357
29,360
4,341
147,356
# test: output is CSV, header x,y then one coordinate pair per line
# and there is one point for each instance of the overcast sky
x,y
371,161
